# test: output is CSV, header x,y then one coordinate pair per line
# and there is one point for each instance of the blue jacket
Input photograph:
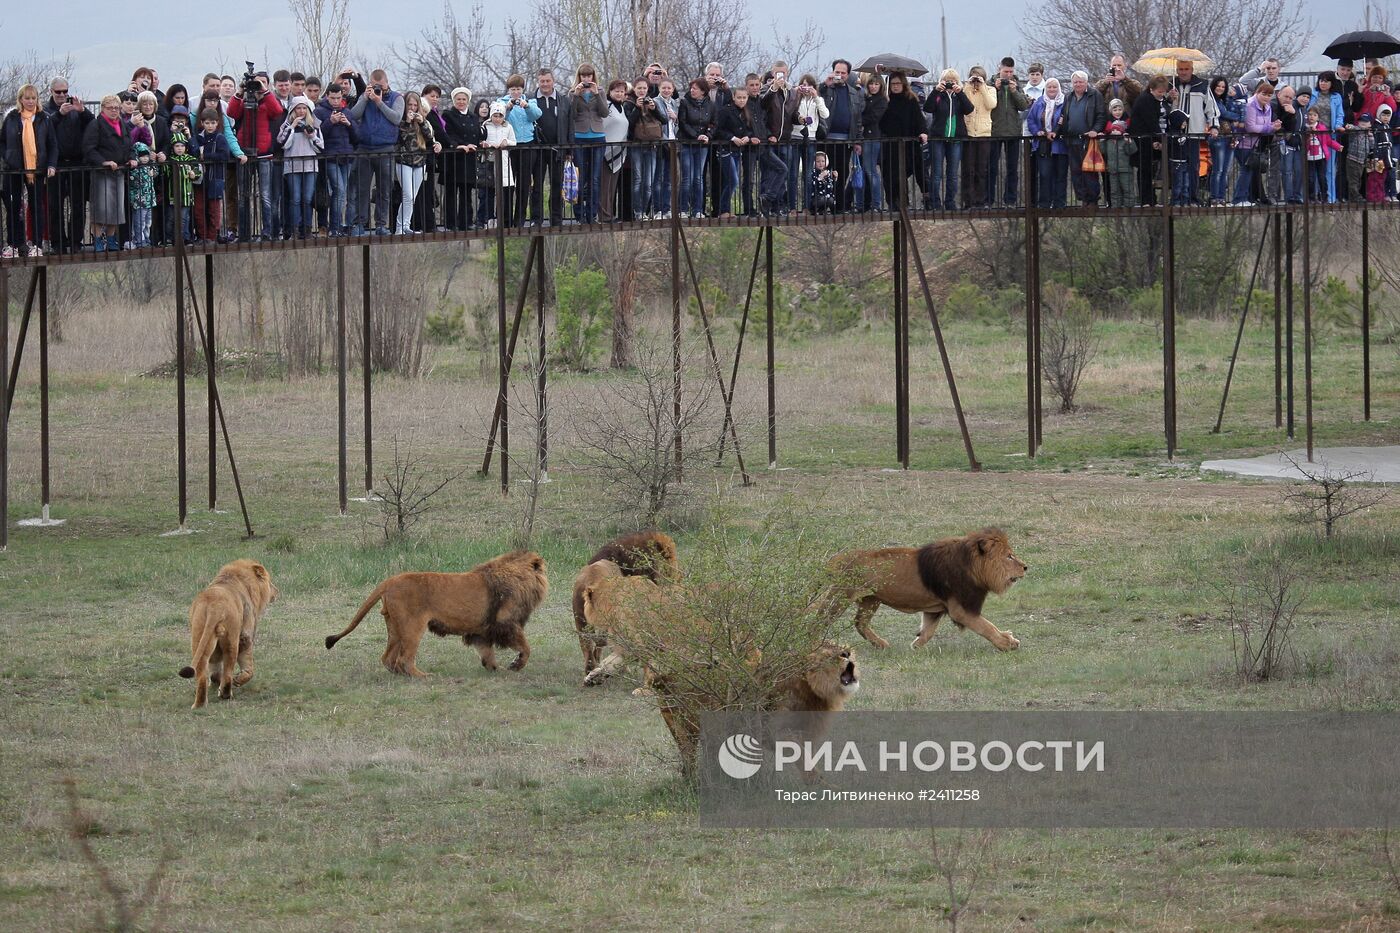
x,y
1035,124
522,119
213,153
1338,114
340,138
376,128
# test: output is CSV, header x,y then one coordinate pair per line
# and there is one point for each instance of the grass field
x,y
329,795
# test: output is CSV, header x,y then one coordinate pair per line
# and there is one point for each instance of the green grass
x,y
330,795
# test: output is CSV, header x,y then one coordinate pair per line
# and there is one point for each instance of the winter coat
x,y
1148,118
871,115
1035,125
340,139
255,135
1083,114
212,149
378,120
941,105
1198,103
697,117
416,142
644,123
68,131
299,148
522,118
1258,124
102,144
588,109
463,129
560,130
45,140
855,103
779,106
1011,103
984,100
903,118
1128,90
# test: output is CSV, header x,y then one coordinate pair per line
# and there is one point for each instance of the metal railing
x,y
599,184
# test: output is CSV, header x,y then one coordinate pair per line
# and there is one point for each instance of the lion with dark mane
x,y
487,606
951,576
649,554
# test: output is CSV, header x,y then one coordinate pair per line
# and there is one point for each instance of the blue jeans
x,y
871,196
693,156
301,188
1050,174
1220,157
1245,180
643,159
661,180
263,170
803,152
1182,189
140,227
1291,170
338,177
729,182
589,161
946,156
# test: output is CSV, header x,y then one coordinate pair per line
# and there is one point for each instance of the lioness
x,y
953,575
488,606
223,623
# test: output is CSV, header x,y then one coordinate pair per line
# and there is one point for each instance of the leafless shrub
x,y
1261,606
127,909
960,867
528,464
627,428
322,44
1327,496
406,493
399,309
67,292
30,68
1070,342
299,327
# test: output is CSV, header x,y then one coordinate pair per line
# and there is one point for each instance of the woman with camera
x,y
644,131
589,108
949,107
301,141
871,196
696,122
808,126
615,129
978,150
416,141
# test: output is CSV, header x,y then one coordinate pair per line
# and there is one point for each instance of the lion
x,y
832,679
223,623
953,576
488,606
607,601
591,641
644,553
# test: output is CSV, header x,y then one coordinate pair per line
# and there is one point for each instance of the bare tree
x,y
701,33
1236,34
1261,606
1070,342
406,493
1327,496
960,867
799,50
30,68
323,35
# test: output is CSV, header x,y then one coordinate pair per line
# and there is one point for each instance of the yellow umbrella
x,y
1163,61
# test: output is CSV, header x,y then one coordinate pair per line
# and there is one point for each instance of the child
x,y
1177,123
500,135
1385,158
1361,147
823,186
1118,152
141,192
185,173
180,122
212,147
1320,145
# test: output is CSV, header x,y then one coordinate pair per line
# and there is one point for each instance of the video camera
x,y
250,83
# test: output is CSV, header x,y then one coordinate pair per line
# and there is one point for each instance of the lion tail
x,y
202,649
364,611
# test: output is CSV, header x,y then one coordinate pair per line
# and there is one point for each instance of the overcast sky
x,y
106,42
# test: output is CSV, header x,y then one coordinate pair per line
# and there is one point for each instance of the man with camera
x,y
254,111
377,113
720,96
1116,85
1006,134
845,100
70,120
554,131
779,101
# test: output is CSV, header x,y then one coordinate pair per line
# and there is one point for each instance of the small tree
x,y
582,310
959,867
1327,496
1261,605
406,493
1070,342
627,431
127,908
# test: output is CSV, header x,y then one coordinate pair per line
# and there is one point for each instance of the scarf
x,y
1048,116
30,145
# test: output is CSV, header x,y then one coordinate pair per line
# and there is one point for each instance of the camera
x,y
947,85
250,83
378,89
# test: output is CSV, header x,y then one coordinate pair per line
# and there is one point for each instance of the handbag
x,y
858,177
1093,159
570,182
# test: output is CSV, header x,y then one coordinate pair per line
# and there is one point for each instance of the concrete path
x,y
1383,463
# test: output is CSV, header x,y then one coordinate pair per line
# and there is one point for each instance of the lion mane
x,y
647,554
487,607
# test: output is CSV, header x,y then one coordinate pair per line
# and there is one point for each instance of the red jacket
x,y
269,110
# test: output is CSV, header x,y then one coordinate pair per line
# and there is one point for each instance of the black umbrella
x,y
888,61
1362,45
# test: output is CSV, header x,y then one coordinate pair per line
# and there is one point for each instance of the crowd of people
x,y
295,156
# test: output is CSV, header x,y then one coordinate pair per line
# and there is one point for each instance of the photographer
x,y
522,113
1117,85
697,121
720,95
845,101
68,194
340,136
254,111
948,105
977,155
808,126
779,104
378,113
735,131
302,142
644,130
1006,134
554,131
588,107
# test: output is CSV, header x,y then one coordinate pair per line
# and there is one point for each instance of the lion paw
x,y
517,664
917,643
1009,642
879,642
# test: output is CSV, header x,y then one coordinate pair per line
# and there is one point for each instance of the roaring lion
x,y
824,688
953,576
643,554
488,606
223,623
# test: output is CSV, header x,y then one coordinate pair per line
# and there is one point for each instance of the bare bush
x,y
127,910
406,493
1327,496
1070,342
299,327
627,429
399,305
959,867
1261,606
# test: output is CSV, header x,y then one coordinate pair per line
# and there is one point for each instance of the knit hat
x,y
1115,103
179,111
306,101
498,107
1384,108
1345,63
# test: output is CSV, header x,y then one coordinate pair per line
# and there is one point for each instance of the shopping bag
x,y
1093,159
570,183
